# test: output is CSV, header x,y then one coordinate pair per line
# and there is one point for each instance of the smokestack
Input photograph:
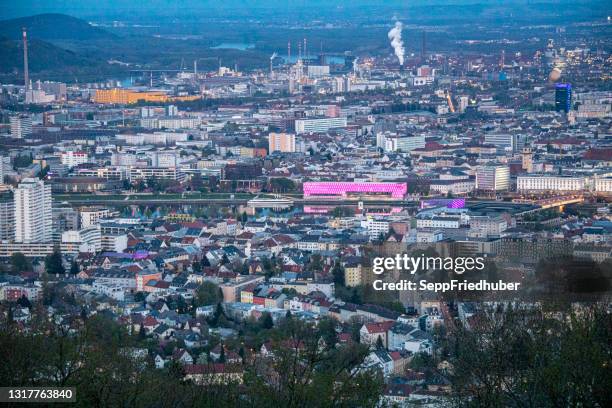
x,y
423,42
26,71
288,52
299,51
271,64
195,67
305,53
395,35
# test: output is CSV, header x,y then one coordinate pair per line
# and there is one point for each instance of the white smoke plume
x,y
273,56
395,35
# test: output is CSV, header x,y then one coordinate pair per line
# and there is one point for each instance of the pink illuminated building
x,y
343,189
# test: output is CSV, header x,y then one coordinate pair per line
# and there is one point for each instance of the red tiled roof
x,y
380,327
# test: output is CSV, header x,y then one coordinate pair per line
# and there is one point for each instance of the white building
x,y
38,96
603,185
504,141
486,226
159,173
452,186
92,216
438,222
375,227
316,125
72,159
492,178
156,138
390,142
535,182
33,212
84,240
21,126
113,291
165,159
114,242
170,123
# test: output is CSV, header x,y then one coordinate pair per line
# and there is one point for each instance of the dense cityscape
x,y
204,234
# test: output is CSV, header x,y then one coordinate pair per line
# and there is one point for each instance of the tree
x,y
338,274
282,185
224,259
208,294
222,354
379,343
19,263
327,328
266,321
526,356
218,316
23,301
54,264
74,268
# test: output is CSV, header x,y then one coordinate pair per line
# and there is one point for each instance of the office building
x,y
72,159
7,216
542,182
390,142
281,142
504,141
316,125
492,178
21,126
33,212
563,97
92,216
86,240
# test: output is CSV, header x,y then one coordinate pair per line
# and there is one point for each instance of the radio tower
x,y
26,72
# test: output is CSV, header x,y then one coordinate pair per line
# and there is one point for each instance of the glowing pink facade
x,y
397,190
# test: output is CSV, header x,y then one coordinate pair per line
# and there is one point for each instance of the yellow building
x,y
352,275
281,142
126,97
246,296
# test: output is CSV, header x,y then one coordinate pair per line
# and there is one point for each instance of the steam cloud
x,y
273,56
395,35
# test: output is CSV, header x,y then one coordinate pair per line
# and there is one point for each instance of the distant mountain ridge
x,y
49,62
50,27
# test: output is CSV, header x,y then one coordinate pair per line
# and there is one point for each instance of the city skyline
x,y
326,204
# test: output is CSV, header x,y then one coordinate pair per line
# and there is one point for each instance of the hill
x,y
47,61
51,27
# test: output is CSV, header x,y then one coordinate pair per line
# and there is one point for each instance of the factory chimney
x,y
26,72
289,52
423,47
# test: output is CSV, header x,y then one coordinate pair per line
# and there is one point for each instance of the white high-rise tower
x,y
33,212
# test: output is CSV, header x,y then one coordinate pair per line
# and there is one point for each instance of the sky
x,y
117,8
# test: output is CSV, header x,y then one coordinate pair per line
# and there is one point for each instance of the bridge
x,y
221,199
552,202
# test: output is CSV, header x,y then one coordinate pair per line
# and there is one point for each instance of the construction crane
x,y
449,100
